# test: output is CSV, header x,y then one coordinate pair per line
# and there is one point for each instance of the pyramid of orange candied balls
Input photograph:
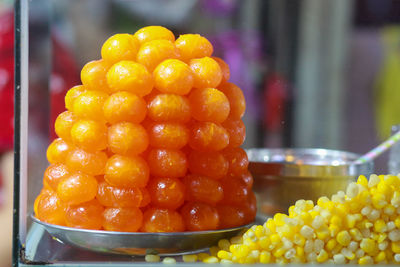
x,y
150,141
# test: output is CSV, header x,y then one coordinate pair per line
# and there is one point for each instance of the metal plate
x,y
139,243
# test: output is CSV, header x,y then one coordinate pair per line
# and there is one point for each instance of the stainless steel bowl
x,y
139,244
282,176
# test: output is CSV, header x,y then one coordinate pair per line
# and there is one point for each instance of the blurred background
x,y
320,74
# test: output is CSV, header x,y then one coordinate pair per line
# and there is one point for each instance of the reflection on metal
x,y
319,105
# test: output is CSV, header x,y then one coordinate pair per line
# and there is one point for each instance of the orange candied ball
x,y
121,46
203,189
87,215
93,75
50,209
168,135
230,216
158,220
54,174
173,76
146,197
211,164
72,94
63,125
238,160
150,33
77,188
169,107
130,76
124,106
89,135
89,105
206,71
122,219
127,138
226,73
246,178
208,136
250,207
193,46
236,130
209,104
236,99
124,171
235,191
199,216
90,163
166,192
58,150
43,192
112,196
154,52
167,162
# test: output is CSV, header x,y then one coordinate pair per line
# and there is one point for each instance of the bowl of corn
x,y
282,176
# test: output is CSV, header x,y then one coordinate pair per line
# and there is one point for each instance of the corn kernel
x,y
366,260
189,258
373,180
397,257
368,245
394,235
223,261
330,245
339,259
275,239
380,257
278,252
259,231
211,259
307,231
356,234
343,238
224,244
395,201
379,201
322,256
214,250
202,256
300,251
265,257
299,240
383,245
222,254
236,240
152,258
362,180
169,260
279,219
380,226
352,190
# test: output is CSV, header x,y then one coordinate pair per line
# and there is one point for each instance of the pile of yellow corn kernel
x,y
361,226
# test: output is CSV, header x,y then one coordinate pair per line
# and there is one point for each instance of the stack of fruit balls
x,y
150,141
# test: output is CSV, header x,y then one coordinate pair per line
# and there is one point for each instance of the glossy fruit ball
x,y
122,219
87,215
246,178
154,52
119,47
236,99
230,216
158,220
203,189
72,94
93,75
211,164
43,192
193,46
167,163
206,71
127,138
77,188
199,216
54,174
89,105
124,106
131,77
169,108
235,192
209,104
168,135
125,171
238,160
58,150
90,163
208,136
250,207
226,73
50,209
150,33
89,135
236,130
63,125
173,76
166,192
146,197
112,196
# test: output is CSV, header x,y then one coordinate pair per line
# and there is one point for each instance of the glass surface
x,y
394,155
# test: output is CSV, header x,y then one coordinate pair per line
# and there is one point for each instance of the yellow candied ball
x,y
131,77
72,94
89,105
89,135
150,33
119,47
93,75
